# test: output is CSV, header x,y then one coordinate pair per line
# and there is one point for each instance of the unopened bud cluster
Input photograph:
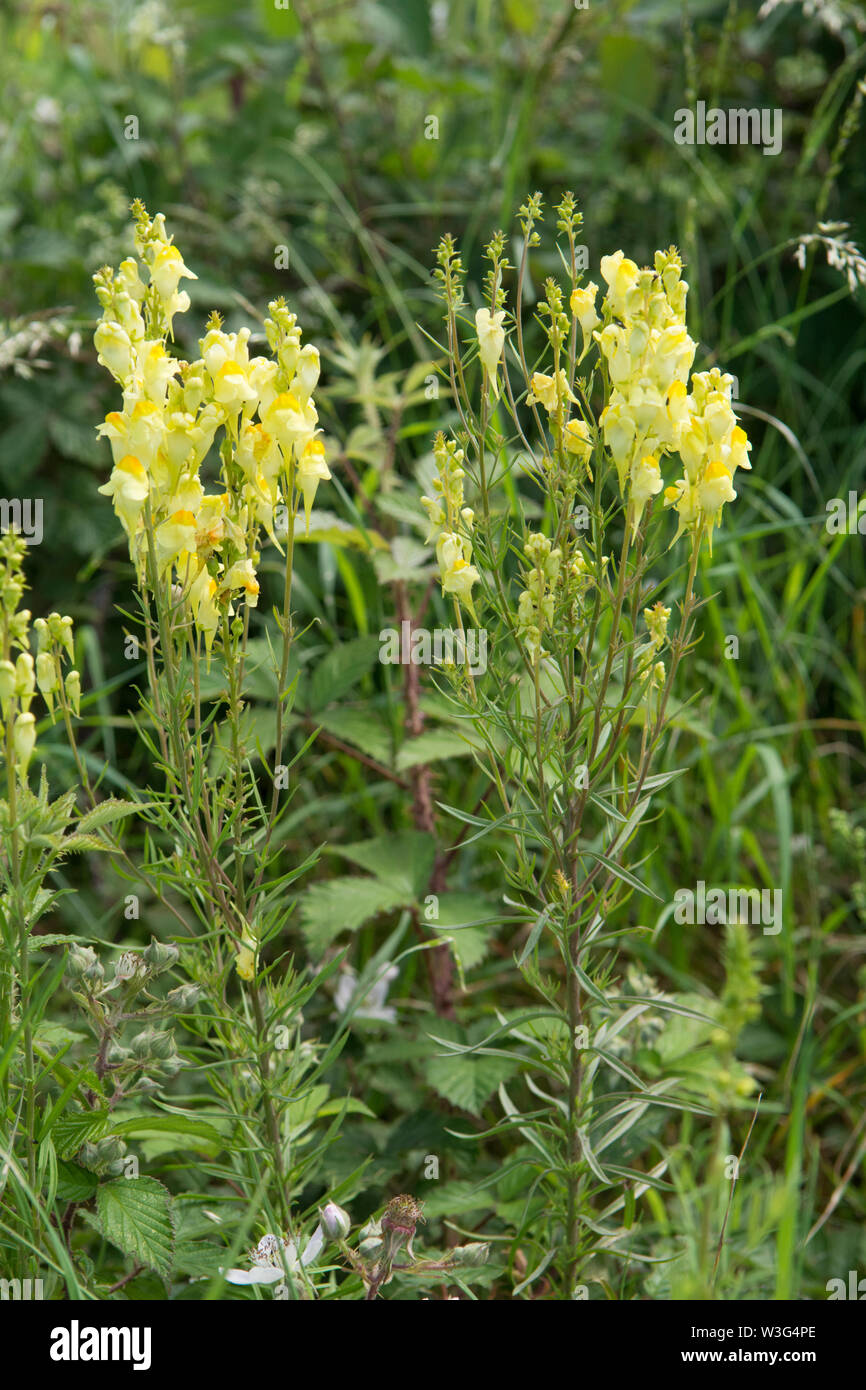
x,y
451,524
126,1016
20,675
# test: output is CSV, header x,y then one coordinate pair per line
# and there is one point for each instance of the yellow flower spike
x,y
312,470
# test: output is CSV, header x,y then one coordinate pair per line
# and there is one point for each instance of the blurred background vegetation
x,y
319,152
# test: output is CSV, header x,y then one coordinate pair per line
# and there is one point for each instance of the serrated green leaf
x,y
341,669
431,747
345,904
75,1184
135,1215
76,1127
468,1081
468,919
363,729
403,861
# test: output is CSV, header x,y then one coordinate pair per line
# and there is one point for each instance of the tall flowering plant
x,y
212,460
551,519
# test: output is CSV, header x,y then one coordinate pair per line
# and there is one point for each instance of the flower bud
x,y
109,1150
72,686
160,956
24,740
128,965
47,678
79,959
184,998
152,1043
336,1223
399,1221
7,683
477,1253
25,679
94,973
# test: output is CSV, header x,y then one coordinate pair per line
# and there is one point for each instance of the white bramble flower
x,y
372,1005
274,1257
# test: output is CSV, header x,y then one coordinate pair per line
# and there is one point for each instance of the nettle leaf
x,y
342,668
361,728
452,1199
432,747
76,1127
345,904
465,1079
403,861
135,1215
468,919
407,560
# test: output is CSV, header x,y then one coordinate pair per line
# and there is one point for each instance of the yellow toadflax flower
x,y
128,488
491,340
550,391
312,470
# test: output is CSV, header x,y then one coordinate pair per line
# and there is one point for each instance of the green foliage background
x,y
306,128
